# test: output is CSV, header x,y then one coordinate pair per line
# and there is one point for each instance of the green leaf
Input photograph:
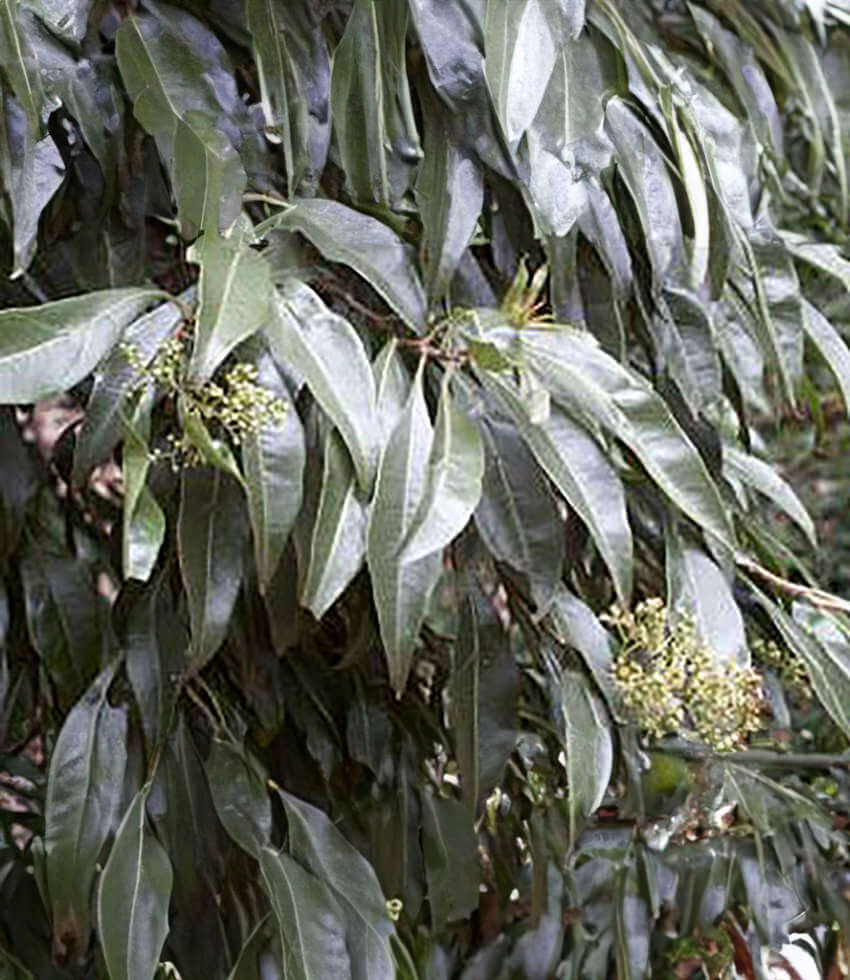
x,y
240,796
449,195
293,65
365,244
762,477
338,541
582,472
273,459
155,647
822,256
20,66
519,54
452,486
234,301
451,861
321,848
185,96
211,536
589,383
698,588
113,379
144,521
326,350
589,749
312,928
830,346
49,348
402,589
132,901
66,18
84,787
32,172
247,965
516,516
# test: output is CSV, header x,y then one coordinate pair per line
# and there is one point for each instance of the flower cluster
x,y
671,682
789,668
239,404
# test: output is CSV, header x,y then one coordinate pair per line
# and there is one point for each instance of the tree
x,y
404,594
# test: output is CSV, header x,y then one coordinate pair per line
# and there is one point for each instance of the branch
x,y
817,597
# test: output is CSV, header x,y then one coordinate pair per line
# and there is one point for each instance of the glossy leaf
x,y
212,533
452,485
402,589
240,796
365,244
451,867
83,798
325,349
234,301
273,460
294,71
144,521
132,901
830,346
321,848
588,745
311,924
49,348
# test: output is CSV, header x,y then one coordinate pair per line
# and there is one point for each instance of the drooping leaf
x,y
325,349
185,96
830,346
20,66
696,587
35,172
519,54
591,384
132,900
588,745
516,515
321,848
144,521
402,589
761,476
452,486
49,348
451,865
365,244
155,647
83,796
240,796
234,301
579,468
312,928
273,459
212,532
294,71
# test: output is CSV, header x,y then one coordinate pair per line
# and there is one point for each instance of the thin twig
x,y
817,597
266,199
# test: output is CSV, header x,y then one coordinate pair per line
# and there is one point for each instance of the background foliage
x,y
356,357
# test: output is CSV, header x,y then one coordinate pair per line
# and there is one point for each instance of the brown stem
x,y
817,597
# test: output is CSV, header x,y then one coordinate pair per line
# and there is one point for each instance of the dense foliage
x,y
395,580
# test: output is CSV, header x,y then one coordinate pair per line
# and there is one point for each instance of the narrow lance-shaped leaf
x,y
49,348
830,346
294,71
211,536
325,349
401,589
453,481
584,475
311,923
321,848
590,384
697,588
365,244
144,521
132,901
589,750
234,301
240,796
83,795
451,864
273,460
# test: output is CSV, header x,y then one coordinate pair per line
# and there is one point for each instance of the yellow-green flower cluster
x,y
671,682
239,404
790,669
